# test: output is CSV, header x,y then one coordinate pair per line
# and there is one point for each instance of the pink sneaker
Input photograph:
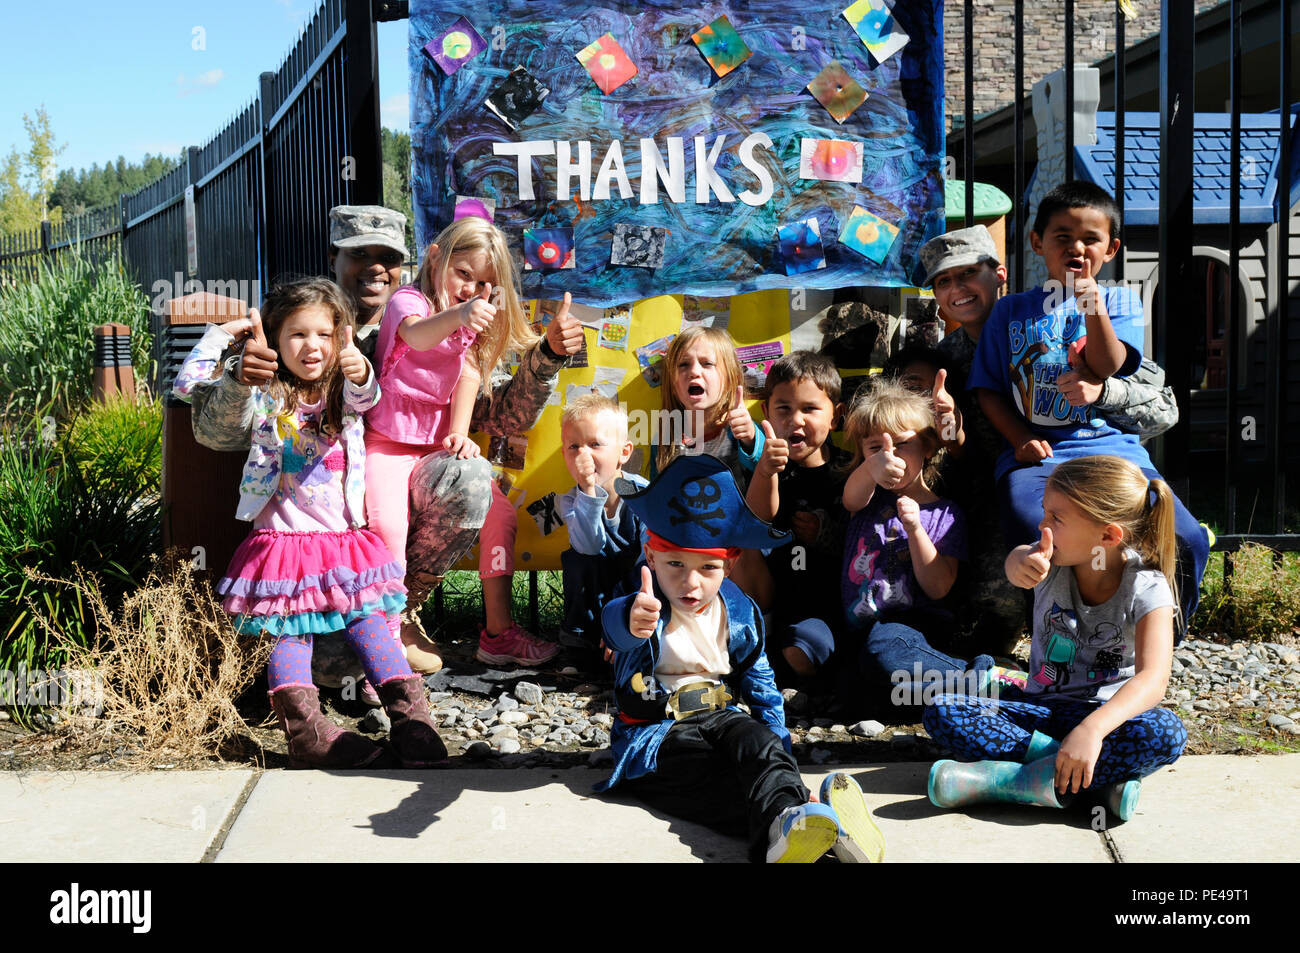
x,y
515,645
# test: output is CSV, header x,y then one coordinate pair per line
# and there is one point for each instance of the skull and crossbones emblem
x,y
698,506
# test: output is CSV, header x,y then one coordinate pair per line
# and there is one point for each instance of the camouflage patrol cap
x,y
965,246
352,226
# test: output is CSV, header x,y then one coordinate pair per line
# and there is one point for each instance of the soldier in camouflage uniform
x,y
964,271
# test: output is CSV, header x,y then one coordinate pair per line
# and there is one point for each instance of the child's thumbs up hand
x,y
1085,289
258,363
885,468
644,617
741,424
477,313
353,365
776,453
1027,566
564,333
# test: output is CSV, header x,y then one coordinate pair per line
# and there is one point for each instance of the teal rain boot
x,y
1033,781
1121,797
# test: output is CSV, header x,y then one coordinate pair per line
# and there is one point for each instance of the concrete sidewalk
x,y
1213,808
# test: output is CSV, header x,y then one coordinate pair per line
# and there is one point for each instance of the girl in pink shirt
x,y
439,339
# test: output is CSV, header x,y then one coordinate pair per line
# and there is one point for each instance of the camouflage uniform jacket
x,y
253,415
222,411
1139,404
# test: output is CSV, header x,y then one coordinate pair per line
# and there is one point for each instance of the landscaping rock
x,y
529,693
376,721
508,746
867,729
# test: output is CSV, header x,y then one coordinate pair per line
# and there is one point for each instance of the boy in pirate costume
x,y
689,648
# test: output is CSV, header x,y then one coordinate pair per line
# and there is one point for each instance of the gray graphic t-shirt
x,y
1090,651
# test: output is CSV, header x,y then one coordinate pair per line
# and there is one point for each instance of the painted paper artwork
x,y
875,25
836,89
722,46
455,46
650,357
614,330
801,247
638,246
832,160
608,65
869,235
646,131
468,205
548,248
517,97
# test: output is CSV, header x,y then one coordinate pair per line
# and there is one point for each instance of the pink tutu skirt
x,y
310,583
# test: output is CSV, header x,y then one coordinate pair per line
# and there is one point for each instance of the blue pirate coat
x,y
636,746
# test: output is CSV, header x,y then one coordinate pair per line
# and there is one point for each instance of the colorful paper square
x,y
615,328
800,246
650,358
875,25
839,92
517,97
869,235
546,249
832,160
608,65
638,246
470,205
722,46
455,46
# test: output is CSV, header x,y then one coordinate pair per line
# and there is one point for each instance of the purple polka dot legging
x,y
381,655
988,729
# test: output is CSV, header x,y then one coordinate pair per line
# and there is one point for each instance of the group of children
x,y
761,557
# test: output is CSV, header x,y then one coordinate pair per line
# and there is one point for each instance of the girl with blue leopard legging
x,y
1088,717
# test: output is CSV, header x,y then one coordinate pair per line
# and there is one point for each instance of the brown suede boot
x,y
422,652
413,735
314,740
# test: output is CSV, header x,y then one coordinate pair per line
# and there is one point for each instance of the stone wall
x,y
994,32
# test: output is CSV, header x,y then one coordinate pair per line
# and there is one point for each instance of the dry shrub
x,y
170,666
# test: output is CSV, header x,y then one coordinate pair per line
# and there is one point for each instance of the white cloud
x,y
395,112
186,86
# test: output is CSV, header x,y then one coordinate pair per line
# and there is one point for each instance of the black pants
x,y
727,771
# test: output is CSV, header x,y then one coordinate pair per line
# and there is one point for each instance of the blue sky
x,y
124,78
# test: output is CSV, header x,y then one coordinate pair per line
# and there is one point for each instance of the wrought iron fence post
x,y
361,48
1173,347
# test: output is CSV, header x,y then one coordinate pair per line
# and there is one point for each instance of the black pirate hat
x,y
695,503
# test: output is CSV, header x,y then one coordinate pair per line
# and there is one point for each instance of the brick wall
x,y
994,61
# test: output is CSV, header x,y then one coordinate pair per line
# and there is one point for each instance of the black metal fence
x,y
95,234
252,203
1237,480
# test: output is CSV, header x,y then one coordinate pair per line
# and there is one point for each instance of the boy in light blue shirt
x,y
605,537
1032,338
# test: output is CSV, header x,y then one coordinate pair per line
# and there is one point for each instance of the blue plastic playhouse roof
x,y
1210,173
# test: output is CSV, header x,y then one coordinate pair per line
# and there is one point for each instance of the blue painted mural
x,y
729,126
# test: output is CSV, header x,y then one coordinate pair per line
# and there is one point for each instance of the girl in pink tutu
x,y
309,567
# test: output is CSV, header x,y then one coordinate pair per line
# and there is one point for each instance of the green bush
x,y
1260,600
120,441
46,333
58,516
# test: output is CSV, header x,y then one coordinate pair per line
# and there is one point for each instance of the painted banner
x,y
635,149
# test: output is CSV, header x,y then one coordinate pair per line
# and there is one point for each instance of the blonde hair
x,y
592,405
472,234
724,350
1112,490
884,405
